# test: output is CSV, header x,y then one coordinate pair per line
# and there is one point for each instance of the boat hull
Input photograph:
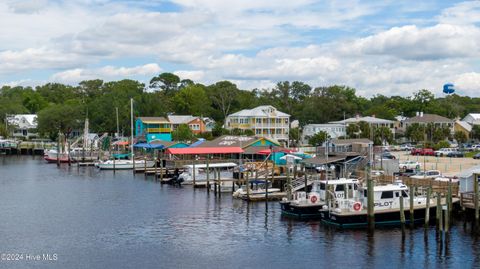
x,y
382,218
308,211
123,165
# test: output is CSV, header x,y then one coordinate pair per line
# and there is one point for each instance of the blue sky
x,y
377,47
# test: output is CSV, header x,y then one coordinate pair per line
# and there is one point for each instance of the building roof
x,y
235,141
204,150
465,125
319,125
475,116
426,118
181,119
469,172
153,120
23,120
368,119
340,142
322,160
166,144
260,111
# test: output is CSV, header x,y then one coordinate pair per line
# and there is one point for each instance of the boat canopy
x,y
148,146
205,150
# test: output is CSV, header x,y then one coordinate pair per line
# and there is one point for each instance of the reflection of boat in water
x,y
123,164
257,188
352,212
308,205
200,172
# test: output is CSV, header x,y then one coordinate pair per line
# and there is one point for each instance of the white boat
x,y
257,188
200,171
123,164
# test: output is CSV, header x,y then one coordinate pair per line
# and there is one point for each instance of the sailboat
x,y
125,164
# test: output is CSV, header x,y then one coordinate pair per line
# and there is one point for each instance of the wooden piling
x,y
402,212
161,170
145,166
439,210
247,185
289,184
193,173
447,221
449,200
305,177
58,149
475,197
208,173
427,207
156,168
219,183
412,193
370,201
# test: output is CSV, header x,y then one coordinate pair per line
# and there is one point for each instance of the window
x,y
397,194
404,194
322,186
339,188
387,195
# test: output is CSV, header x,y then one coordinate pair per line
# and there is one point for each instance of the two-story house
x,y
153,128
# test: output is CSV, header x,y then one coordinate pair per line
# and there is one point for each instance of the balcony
x,y
158,130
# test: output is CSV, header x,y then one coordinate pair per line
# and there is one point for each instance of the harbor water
x,y
86,218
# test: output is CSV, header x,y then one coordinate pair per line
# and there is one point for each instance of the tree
x,y
182,133
318,139
63,118
165,81
415,132
223,94
383,134
294,136
192,100
353,130
460,136
475,134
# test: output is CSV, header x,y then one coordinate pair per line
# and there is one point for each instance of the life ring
x,y
313,199
357,206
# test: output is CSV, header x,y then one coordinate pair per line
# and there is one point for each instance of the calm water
x,y
95,219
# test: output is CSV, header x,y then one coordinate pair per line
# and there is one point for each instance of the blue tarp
x,y
148,146
199,142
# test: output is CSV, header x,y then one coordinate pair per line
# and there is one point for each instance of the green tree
x,y
383,135
183,133
475,134
63,118
318,139
166,81
353,130
223,95
192,100
415,132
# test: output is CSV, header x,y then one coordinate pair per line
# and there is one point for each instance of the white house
x,y
334,130
472,118
24,125
264,121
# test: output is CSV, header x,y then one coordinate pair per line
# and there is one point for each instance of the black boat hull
x,y
381,218
301,212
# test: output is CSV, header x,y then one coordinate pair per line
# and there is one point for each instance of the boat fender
x,y
313,199
357,206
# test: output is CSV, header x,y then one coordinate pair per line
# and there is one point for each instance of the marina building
x,y
264,121
334,130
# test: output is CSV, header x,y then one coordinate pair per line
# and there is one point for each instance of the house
x,y
359,145
372,121
424,119
196,124
472,119
264,121
25,125
209,124
462,126
153,128
334,130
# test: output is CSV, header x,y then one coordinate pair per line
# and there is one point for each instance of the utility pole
x,y
118,130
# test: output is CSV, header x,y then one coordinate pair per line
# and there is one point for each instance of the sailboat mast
x,y
131,128
118,130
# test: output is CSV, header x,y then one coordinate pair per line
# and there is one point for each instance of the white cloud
x,y
108,72
195,75
463,13
468,83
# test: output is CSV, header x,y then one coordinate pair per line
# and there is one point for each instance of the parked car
x,y
476,156
428,174
444,151
476,147
388,155
409,165
456,154
406,147
425,151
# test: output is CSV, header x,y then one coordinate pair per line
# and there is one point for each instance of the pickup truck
x,y
428,174
425,151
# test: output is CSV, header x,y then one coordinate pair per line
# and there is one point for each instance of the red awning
x,y
268,151
121,143
205,150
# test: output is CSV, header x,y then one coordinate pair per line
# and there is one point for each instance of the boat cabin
x,y
340,187
387,196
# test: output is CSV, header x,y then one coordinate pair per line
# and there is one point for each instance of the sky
x,y
377,47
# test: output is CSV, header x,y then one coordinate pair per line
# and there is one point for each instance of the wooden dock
x,y
276,196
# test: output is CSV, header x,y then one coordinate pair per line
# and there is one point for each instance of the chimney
x,y
417,114
373,116
357,116
421,114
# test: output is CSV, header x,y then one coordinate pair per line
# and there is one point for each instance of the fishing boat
x,y
305,205
53,156
352,212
